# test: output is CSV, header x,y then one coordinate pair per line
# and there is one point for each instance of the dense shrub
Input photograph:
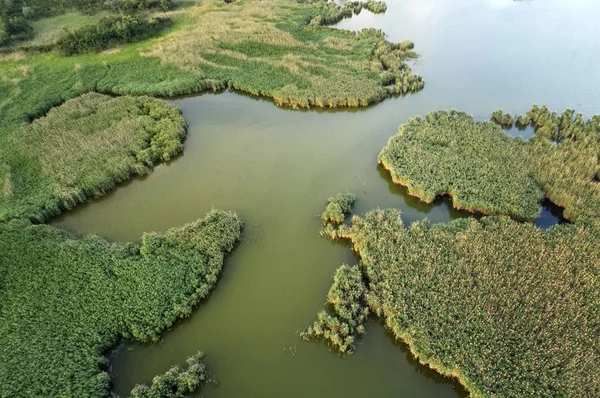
x,y
509,309
474,162
108,32
176,382
347,296
83,149
64,301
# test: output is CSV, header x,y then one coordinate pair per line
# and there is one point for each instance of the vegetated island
x,y
65,300
488,172
275,48
508,309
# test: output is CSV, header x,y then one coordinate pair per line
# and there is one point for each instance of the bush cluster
x,y
65,301
507,308
176,382
347,296
109,32
16,15
84,148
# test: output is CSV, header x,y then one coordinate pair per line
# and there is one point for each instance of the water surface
x,y
276,168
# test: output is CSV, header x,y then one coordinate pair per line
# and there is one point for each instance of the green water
x,y
276,168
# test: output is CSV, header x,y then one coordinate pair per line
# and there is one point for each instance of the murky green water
x,y
277,167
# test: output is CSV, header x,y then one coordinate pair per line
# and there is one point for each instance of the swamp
x,y
100,147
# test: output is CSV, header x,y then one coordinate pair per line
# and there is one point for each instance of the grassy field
x,y
83,149
488,172
64,301
507,308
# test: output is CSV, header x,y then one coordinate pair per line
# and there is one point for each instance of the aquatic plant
x,y
82,149
337,208
508,309
176,382
564,159
376,7
350,311
488,172
65,301
503,119
448,153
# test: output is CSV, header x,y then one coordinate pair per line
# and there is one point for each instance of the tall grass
x,y
448,153
347,297
485,171
176,382
508,309
64,301
83,149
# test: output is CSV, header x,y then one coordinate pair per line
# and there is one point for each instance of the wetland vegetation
x,y
82,149
65,300
176,382
486,171
505,307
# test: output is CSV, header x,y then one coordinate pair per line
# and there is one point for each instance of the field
x,y
81,150
488,172
507,308
65,301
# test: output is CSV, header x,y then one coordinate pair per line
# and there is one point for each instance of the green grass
x,y
290,61
64,301
82,149
508,309
474,162
488,172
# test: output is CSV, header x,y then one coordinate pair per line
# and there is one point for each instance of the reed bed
x,y
347,298
487,172
448,153
176,382
337,208
508,309
82,149
65,301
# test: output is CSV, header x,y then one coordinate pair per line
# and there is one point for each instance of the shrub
x,y
65,301
108,32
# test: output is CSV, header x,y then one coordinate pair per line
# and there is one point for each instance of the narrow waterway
x,y
277,167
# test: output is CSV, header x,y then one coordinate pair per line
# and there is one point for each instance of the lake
x,y
276,168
